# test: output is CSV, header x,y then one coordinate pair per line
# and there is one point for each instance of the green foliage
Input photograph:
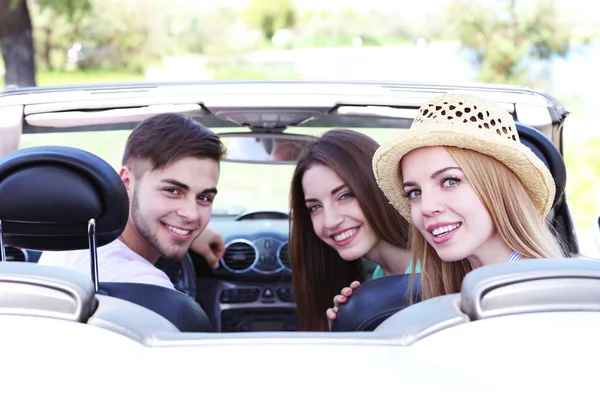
x,y
583,167
113,34
217,33
347,27
270,16
135,35
69,8
505,36
53,34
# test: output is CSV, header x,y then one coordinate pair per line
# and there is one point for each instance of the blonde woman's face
x,y
445,208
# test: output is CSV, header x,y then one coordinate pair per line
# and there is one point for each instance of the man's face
x,y
170,207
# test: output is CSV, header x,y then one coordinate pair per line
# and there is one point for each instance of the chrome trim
x,y
285,267
258,271
25,254
228,268
278,270
2,249
93,252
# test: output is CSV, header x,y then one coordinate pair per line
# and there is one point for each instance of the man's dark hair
x,y
167,138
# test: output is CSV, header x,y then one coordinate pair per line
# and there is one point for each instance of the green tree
x,y
270,16
124,35
16,36
506,36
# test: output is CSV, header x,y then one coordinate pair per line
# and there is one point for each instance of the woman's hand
x,y
339,300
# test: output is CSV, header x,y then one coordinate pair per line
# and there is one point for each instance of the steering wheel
x,y
182,274
267,214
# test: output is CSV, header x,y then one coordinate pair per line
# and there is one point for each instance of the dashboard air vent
x,y
283,256
240,256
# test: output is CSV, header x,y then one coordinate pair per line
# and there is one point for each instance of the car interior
x,y
63,197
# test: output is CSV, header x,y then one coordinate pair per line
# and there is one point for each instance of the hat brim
x,y
531,171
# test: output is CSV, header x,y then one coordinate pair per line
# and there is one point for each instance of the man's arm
x,y
210,245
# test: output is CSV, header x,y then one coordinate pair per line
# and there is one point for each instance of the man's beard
x,y
167,252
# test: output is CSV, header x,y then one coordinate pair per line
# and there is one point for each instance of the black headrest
x,y
49,194
375,301
548,153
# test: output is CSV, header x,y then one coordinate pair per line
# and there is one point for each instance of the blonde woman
x,y
473,193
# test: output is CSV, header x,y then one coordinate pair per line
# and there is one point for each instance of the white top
x,y
116,263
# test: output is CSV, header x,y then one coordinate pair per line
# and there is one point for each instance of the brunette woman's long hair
x,y
319,273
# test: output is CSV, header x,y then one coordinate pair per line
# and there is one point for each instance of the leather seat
x,y
375,301
378,299
49,196
180,309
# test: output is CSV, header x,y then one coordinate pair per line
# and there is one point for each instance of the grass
x,y
54,78
46,78
252,74
583,180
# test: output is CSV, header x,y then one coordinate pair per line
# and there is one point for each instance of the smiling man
x,y
170,170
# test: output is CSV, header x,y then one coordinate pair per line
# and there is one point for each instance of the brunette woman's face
x,y
337,217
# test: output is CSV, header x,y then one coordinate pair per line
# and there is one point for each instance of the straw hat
x,y
467,122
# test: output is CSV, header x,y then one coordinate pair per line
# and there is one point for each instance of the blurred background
x,y
552,45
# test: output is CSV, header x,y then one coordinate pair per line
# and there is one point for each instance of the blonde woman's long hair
x,y
516,219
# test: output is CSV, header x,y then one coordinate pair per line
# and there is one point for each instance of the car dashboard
x,y
251,290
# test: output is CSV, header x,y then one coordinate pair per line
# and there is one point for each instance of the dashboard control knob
x,y
243,327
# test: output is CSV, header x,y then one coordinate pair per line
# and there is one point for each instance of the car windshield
x,y
242,186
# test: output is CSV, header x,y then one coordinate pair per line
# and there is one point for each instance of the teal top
x,y
378,272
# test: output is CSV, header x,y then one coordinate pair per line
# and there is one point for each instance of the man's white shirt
x,y
116,263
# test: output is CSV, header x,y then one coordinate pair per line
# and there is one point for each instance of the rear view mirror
x,y
264,148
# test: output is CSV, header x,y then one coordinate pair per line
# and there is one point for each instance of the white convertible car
x,y
523,330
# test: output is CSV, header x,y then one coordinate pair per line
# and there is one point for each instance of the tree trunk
x,y
16,43
47,49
